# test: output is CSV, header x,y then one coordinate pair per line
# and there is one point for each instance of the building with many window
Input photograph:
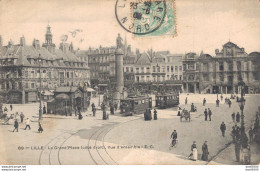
x,y
231,64
25,70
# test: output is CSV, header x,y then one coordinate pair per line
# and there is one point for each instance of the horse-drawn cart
x,y
185,114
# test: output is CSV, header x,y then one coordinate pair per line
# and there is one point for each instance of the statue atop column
x,y
119,42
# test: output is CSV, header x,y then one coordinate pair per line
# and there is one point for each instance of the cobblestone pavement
x,y
124,140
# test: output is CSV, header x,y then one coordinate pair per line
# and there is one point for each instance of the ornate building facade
x,y
27,69
221,73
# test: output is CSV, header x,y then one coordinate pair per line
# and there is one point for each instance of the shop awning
x,y
47,93
90,89
62,96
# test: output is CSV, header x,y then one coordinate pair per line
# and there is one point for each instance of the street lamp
x,y
40,96
241,103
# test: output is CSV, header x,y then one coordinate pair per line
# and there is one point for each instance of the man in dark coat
x,y
5,109
229,103
204,102
44,109
94,111
209,113
186,100
223,128
16,125
217,103
237,150
205,152
233,116
21,117
112,109
206,114
11,107
233,134
251,135
238,117
155,114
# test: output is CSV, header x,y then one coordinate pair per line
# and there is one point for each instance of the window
x,y
26,85
127,69
171,68
154,70
68,75
32,85
163,69
147,69
180,68
176,68
205,67
142,69
137,70
180,77
168,69
158,69
221,66
32,74
147,78
132,70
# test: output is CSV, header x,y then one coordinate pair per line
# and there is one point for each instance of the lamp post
x,y
157,67
241,103
40,96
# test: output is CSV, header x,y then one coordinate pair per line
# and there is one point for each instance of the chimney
x,y
10,43
64,47
216,51
1,41
22,41
36,44
129,49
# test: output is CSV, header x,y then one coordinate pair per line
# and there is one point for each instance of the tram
x,y
135,105
164,101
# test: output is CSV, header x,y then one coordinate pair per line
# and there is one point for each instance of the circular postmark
x,y
140,16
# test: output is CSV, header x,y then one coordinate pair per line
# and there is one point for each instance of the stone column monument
x,y
118,93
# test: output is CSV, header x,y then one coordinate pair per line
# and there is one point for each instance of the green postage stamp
x,y
147,18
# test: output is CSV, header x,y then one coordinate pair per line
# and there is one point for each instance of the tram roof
x,y
136,97
168,94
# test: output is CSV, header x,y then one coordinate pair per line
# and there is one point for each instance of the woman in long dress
x,y
194,154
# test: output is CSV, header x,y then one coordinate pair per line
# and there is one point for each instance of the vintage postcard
x,y
129,82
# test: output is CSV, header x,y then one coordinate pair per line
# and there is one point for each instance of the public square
x,y
126,140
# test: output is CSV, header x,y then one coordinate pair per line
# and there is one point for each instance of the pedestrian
x,y
206,114
229,103
217,103
27,123
94,111
233,134
21,117
179,111
40,128
93,106
155,114
204,102
44,109
251,135
16,125
115,106
223,128
238,117
221,97
205,152
194,152
11,107
233,115
237,150
112,109
5,109
186,100
209,113
192,107
80,115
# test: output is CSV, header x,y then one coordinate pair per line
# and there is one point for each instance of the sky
x,y
201,24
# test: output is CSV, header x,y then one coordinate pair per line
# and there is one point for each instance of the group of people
x,y
148,115
207,113
194,152
236,117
